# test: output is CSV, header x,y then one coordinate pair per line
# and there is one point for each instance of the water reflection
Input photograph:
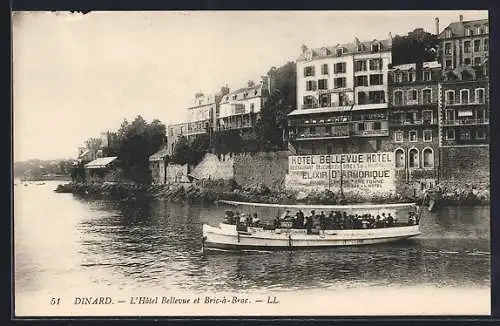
x,y
154,244
158,243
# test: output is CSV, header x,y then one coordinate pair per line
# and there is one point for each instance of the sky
x,y
75,75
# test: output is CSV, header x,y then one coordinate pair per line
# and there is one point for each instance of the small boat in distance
x,y
342,225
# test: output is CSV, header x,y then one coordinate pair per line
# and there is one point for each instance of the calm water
x,y
62,242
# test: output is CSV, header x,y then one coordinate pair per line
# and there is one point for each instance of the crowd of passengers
x,y
333,221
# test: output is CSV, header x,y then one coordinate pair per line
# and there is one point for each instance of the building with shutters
x,y
413,121
464,43
342,94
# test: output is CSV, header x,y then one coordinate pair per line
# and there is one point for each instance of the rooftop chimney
x,y
461,18
437,25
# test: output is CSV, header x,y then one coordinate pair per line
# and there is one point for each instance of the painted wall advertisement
x,y
359,172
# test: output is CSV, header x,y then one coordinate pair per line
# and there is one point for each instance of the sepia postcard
x,y
251,163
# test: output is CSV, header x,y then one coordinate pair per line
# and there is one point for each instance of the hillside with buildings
x,y
420,100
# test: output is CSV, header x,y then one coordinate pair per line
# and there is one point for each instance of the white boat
x,y
232,237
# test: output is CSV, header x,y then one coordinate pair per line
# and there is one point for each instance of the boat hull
x,y
227,238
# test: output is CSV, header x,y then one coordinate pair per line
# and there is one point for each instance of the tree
x,y
416,47
198,147
134,143
282,100
181,151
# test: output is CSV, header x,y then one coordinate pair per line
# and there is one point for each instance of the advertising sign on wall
x,y
364,172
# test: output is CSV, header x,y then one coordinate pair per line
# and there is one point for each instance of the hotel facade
x,y
341,99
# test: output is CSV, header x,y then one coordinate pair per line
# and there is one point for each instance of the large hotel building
x,y
342,94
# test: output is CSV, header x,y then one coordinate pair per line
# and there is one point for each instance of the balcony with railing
x,y
370,133
453,102
465,122
319,135
410,122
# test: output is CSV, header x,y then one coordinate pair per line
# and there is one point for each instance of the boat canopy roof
x,y
330,207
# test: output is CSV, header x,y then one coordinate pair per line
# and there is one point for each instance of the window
x,y
427,96
361,126
450,134
412,96
467,61
481,115
324,100
467,46
252,107
376,47
339,52
469,32
400,158
339,67
412,136
324,69
450,116
376,97
448,64
398,136
485,44
464,134
479,95
447,48
464,96
324,51
477,61
450,97
310,85
427,135
308,101
361,81
480,30
480,134
413,158
313,149
477,45
376,126
398,98
397,77
411,77
342,99
375,64
427,117
377,79
428,157
362,99
404,77
447,33
323,84
360,65
308,71
339,82
426,75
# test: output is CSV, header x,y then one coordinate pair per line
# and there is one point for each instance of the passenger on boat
x,y
322,220
411,218
285,215
243,218
390,220
255,220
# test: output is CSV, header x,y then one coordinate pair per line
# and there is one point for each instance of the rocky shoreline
x,y
228,190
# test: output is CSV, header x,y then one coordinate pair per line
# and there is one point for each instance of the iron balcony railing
x,y
464,122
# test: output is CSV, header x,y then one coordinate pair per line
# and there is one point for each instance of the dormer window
x,y
245,95
235,97
469,32
339,52
324,51
480,30
255,93
447,33
376,47
360,47
308,54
